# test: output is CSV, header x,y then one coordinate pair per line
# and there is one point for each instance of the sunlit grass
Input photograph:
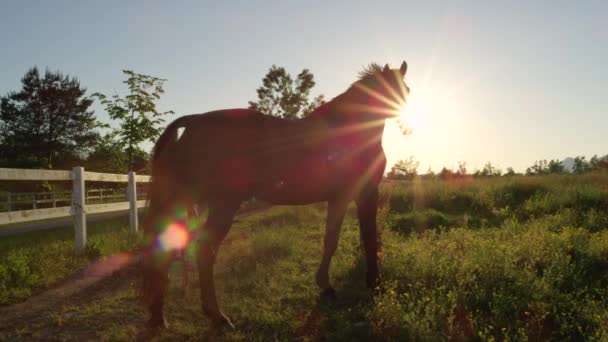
x,y
510,258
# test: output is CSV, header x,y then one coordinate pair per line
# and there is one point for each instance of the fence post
x,y
78,208
9,201
132,193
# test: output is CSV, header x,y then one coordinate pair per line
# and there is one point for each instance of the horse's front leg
x,y
214,231
335,215
367,207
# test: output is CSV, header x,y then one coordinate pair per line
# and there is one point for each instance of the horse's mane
x,y
368,72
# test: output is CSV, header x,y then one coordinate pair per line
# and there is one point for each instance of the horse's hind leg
x,y
157,258
367,207
335,215
155,279
214,231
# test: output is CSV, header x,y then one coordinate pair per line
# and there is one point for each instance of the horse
x,y
219,159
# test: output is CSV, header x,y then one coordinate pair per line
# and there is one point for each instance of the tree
x,y
510,172
110,156
488,170
404,169
555,166
462,168
447,174
597,163
139,119
580,165
48,118
538,168
281,96
542,167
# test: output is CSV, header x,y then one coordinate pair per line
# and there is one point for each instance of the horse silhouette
x,y
225,157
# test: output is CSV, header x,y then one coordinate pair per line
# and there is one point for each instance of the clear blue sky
x,y
508,82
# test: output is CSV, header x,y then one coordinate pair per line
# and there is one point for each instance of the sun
x,y
416,114
420,123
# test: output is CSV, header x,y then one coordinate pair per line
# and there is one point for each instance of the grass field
x,y
522,258
33,261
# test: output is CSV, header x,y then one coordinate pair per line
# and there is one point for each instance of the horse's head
x,y
383,90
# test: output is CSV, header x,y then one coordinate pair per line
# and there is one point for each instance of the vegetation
x,y
494,258
281,96
138,117
48,119
26,267
48,124
524,259
406,169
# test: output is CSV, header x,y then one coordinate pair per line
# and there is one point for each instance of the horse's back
x,y
244,151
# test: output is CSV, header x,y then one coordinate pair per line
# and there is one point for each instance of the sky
x,y
508,82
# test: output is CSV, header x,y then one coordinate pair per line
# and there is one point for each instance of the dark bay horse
x,y
227,156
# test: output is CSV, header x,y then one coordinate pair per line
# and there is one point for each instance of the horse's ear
x,y
386,68
403,68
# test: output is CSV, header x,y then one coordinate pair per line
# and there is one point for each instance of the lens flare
x,y
175,237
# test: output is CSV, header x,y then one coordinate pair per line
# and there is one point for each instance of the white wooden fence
x,y
79,209
35,200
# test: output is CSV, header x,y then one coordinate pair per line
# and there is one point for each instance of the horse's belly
x,y
306,180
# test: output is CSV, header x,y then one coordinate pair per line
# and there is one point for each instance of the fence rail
x,y
14,201
80,205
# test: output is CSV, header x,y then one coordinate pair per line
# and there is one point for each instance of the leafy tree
x,y
596,163
446,174
555,166
542,167
593,162
510,172
110,156
48,118
284,97
139,118
538,168
581,165
462,168
404,169
488,170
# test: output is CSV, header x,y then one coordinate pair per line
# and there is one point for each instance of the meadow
x,y
500,258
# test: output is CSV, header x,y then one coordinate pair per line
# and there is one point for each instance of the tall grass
x,y
537,272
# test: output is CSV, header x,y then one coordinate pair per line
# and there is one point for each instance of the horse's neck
x,y
346,127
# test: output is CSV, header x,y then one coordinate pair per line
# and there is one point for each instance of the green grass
x,y
33,261
518,259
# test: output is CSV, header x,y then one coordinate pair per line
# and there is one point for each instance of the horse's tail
x,y
163,168
168,138
154,280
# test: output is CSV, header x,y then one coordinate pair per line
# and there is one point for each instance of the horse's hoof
x,y
328,295
223,322
155,324
219,320
372,281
